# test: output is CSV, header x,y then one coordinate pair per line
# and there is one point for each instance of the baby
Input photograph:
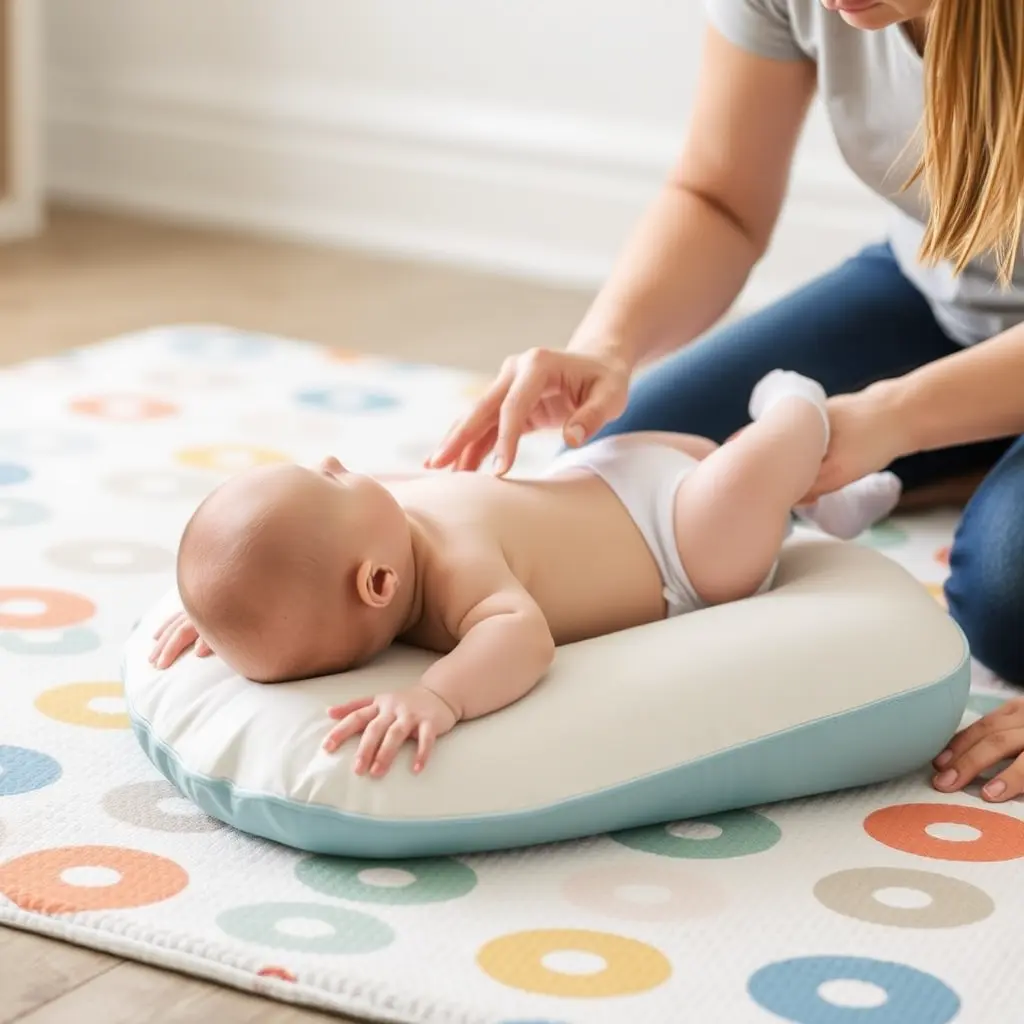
x,y
288,572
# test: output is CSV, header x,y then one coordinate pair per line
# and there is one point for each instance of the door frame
x,y
21,109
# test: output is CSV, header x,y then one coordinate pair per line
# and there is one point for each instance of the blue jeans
x,y
860,323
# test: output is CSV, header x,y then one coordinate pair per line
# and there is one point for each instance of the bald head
x,y
261,571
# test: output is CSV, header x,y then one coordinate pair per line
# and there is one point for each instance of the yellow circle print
x,y
229,458
74,705
617,966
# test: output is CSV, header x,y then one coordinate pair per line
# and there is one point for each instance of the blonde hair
x,y
973,161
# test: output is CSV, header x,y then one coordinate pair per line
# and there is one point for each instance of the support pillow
x,y
846,673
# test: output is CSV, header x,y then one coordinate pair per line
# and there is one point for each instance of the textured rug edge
x,y
163,951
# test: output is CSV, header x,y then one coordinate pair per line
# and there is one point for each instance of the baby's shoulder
x,y
459,571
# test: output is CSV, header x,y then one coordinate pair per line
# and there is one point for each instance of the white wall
x,y
522,135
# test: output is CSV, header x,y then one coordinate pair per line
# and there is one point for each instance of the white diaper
x,y
645,477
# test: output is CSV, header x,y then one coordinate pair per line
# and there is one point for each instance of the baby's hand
x,y
996,737
175,636
386,722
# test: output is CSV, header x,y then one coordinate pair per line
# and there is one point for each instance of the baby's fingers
x,y
203,649
184,636
340,711
1008,784
167,625
424,746
371,741
399,732
351,726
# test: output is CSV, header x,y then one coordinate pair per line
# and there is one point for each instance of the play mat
x,y
894,905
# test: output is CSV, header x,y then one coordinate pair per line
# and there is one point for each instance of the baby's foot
x,y
780,384
848,512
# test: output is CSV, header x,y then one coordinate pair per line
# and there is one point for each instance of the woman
x,y
920,339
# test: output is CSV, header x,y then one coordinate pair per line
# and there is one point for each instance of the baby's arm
x,y
504,649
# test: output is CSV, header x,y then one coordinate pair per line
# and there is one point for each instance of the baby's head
x,y
289,572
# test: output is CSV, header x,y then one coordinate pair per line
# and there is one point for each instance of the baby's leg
x,y
732,513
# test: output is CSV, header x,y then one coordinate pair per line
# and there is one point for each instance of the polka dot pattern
x,y
91,705
121,878
44,443
158,807
23,770
644,892
978,834
13,473
624,966
879,896
124,408
720,836
103,455
110,557
42,608
348,401
407,882
229,458
294,926
792,990
15,512
159,485
50,643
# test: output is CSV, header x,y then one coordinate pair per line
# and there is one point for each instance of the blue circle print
x,y
792,990
219,343
23,770
12,473
347,399
73,640
19,512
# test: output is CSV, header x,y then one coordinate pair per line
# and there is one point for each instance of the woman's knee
x,y
985,589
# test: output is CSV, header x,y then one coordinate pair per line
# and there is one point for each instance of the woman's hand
x,y
541,388
999,736
867,435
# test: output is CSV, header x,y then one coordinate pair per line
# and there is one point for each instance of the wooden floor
x,y
91,277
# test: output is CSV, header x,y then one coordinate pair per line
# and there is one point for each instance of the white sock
x,y
848,512
781,384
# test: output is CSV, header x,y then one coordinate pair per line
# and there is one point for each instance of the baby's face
x,y
294,570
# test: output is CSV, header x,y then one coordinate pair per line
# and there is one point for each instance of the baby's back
x,y
568,541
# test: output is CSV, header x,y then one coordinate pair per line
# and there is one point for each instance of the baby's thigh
x,y
727,541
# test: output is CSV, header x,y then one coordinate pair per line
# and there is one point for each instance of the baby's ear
x,y
376,584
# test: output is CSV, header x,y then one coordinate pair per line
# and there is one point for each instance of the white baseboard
x,y
549,198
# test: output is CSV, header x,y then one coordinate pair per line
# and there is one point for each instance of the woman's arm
x,y
692,252
973,395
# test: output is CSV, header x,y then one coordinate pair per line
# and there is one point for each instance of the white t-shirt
x,y
872,87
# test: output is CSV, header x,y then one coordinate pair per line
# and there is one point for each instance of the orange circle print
x,y
40,608
125,408
906,827
40,882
